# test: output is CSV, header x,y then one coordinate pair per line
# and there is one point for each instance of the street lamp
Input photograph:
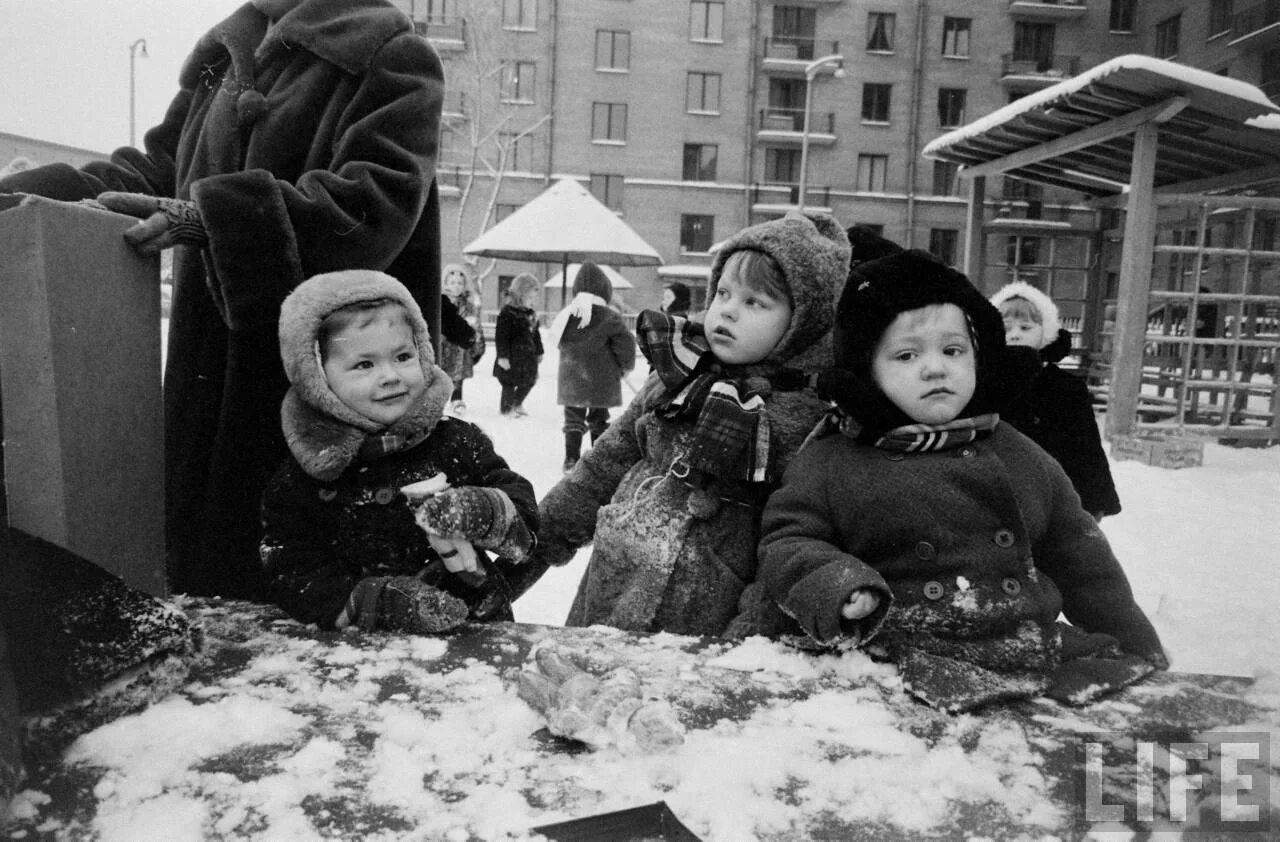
x,y
810,71
137,48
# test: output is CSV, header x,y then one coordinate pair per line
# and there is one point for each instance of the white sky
x,y
65,64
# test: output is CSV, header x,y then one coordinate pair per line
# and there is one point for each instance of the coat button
x,y
1004,538
1011,586
327,494
925,551
968,452
933,590
384,495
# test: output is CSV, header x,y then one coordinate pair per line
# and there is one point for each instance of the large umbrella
x,y
565,224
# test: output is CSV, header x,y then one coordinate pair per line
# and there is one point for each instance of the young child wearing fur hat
x,y
518,344
670,496
1056,411
346,544
915,522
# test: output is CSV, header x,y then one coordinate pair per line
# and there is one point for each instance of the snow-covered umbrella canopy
x,y
616,280
565,224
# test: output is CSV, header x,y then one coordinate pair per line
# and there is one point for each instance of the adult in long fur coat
x,y
305,149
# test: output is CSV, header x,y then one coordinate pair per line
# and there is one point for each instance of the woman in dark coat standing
x,y
305,149
596,352
518,344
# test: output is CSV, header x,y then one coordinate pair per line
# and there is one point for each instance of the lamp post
x,y
137,48
810,71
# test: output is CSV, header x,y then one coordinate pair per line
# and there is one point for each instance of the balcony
x,y
785,127
1036,73
1257,26
779,197
789,55
447,34
1047,10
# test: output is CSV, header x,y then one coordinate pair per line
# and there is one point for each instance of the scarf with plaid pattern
x,y
911,438
731,428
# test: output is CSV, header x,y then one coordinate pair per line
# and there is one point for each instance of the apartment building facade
x,y
694,118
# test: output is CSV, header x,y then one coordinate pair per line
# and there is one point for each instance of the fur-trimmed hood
x,y
323,433
813,253
1043,304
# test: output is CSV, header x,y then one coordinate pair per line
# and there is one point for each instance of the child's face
x,y
372,365
1022,331
668,298
454,284
744,324
925,363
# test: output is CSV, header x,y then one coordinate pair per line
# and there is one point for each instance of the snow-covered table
x,y
285,732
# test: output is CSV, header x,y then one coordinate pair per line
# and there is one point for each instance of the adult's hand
x,y
165,222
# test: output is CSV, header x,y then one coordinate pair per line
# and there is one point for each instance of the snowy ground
x,y
1199,544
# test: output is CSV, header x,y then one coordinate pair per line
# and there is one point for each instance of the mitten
x,y
166,222
481,515
815,602
402,603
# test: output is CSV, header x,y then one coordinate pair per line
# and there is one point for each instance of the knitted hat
x,y
866,245
1041,303
592,279
323,433
813,253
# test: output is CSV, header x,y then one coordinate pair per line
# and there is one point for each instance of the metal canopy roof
x,y
1079,133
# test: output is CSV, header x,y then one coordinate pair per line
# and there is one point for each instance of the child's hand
x,y
504,363
457,553
862,603
402,604
471,512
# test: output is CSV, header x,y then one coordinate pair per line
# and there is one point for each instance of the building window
x,y
609,121
696,232
607,188
946,178
517,81
955,37
502,211
781,166
519,151
951,107
872,170
1034,42
702,93
519,14
1017,190
880,32
1219,17
1022,251
700,161
1122,15
440,11
613,49
942,244
706,20
875,102
1167,36
796,26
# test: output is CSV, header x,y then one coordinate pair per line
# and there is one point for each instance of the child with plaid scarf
x,y
670,496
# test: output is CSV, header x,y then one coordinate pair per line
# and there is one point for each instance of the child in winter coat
x,y
458,359
1056,411
918,522
596,352
671,495
676,298
518,344
363,419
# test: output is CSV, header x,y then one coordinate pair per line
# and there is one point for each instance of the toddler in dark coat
x,y
518,344
914,522
346,542
1056,411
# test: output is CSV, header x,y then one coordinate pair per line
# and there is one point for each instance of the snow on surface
x,y
1198,544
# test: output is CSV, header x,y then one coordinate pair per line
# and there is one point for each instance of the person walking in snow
x,y
302,139
517,343
670,497
1056,411
458,359
364,419
915,523
596,352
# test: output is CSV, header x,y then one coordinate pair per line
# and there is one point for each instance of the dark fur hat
x,y
592,279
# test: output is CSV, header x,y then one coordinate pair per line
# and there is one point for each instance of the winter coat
x,y
977,548
516,338
1056,412
666,555
309,151
321,538
456,358
594,359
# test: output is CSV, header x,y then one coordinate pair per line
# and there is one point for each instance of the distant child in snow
x,y
915,520
363,419
458,359
671,495
596,352
1056,412
675,299
518,344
